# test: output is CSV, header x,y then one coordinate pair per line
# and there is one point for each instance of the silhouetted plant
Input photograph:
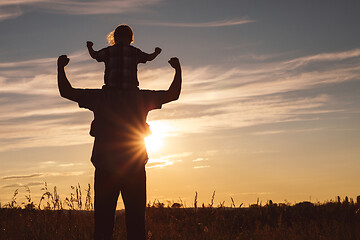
x,y
13,202
232,202
29,204
88,201
75,198
195,200
176,205
212,200
50,198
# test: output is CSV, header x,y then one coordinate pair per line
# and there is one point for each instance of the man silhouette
x,y
119,154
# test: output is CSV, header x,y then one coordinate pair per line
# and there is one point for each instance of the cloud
x,y
335,56
11,9
31,121
203,166
179,155
39,175
220,23
53,164
9,13
19,2
214,98
174,158
249,193
167,160
67,165
262,93
271,132
35,175
96,7
156,163
256,112
18,185
194,111
200,159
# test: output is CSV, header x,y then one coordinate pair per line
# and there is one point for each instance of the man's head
x,y
123,33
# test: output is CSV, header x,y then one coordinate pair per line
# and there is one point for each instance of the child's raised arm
x,y
153,55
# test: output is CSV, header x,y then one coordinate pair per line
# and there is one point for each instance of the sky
x,y
269,109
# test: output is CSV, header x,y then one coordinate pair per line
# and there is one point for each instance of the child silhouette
x,y
121,58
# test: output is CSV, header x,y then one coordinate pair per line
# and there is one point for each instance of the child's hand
x,y
157,50
174,62
89,44
63,60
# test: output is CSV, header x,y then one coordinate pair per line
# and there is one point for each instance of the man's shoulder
x,y
90,90
87,97
104,48
151,92
153,98
107,90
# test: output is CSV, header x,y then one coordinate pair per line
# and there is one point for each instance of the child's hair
x,y
121,33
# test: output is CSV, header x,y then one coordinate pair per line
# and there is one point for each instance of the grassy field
x,y
339,219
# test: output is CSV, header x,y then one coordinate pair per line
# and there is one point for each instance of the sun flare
x,y
155,141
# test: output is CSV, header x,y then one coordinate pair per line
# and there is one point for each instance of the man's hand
x,y
174,90
157,50
63,60
174,62
89,44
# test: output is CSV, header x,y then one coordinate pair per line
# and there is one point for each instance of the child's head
x,y
123,33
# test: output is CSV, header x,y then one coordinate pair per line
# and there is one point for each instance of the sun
x,y
155,141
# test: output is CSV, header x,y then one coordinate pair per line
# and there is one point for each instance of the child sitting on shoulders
x,y
121,58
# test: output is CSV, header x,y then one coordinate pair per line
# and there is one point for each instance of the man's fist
x,y
63,60
89,44
157,50
174,62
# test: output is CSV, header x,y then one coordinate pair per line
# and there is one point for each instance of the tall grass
x,y
71,218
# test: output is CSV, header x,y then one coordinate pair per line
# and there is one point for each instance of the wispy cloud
x,y
18,185
219,23
24,85
203,166
96,7
156,163
9,12
53,164
167,160
260,93
11,9
200,159
19,2
271,132
67,165
249,193
263,93
35,175
39,175
334,56
160,162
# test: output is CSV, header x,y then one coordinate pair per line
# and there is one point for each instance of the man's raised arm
x,y
65,88
174,90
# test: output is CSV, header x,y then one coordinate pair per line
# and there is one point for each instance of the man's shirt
x,y
119,125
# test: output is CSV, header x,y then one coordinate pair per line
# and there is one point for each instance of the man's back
x,y
119,125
